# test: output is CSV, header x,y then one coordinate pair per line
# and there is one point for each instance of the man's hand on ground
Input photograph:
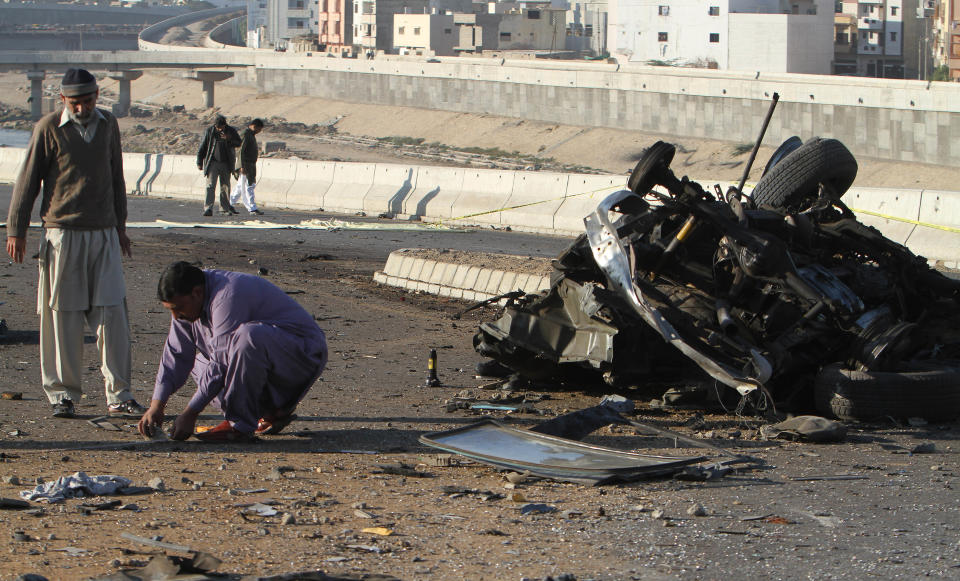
x,y
16,247
184,425
152,419
125,245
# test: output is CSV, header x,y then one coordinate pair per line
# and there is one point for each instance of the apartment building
x,y
373,22
425,34
788,36
275,23
946,36
335,26
587,26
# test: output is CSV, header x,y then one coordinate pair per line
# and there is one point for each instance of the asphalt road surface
x,y
881,504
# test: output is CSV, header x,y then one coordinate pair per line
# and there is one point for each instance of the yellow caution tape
x,y
907,221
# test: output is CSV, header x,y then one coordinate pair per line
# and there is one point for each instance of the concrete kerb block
x,y
391,186
493,283
508,283
10,160
535,199
484,193
406,266
351,182
394,260
313,180
483,279
275,177
434,193
470,278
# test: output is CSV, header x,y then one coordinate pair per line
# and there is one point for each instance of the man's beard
x,y
81,119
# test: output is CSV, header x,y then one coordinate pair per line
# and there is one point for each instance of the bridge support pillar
x,y
208,78
122,107
36,93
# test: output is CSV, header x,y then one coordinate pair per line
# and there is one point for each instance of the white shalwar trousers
x,y
244,191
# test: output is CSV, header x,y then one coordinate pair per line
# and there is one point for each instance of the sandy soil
x,y
348,132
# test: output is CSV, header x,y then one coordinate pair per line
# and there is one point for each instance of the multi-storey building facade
x,y
274,23
946,36
587,26
792,36
884,38
336,26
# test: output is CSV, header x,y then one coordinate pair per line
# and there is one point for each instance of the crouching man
x,y
252,351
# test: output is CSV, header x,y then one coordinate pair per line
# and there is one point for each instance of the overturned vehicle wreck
x,y
782,296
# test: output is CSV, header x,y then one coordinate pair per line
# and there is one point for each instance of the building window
x,y
533,14
714,37
505,36
714,11
448,31
588,30
662,37
893,11
893,37
843,38
295,4
400,30
416,30
663,10
356,7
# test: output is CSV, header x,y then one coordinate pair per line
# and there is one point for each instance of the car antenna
x,y
756,146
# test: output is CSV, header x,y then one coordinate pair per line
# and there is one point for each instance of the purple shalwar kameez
x,y
253,351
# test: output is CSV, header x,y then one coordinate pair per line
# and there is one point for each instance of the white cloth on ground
x,y
77,484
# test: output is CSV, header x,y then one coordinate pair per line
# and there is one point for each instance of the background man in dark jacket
x,y
248,167
216,159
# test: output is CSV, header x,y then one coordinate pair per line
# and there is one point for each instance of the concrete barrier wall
x,y
927,221
899,120
483,190
436,190
351,182
10,160
392,184
313,180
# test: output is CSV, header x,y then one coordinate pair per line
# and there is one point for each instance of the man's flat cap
x,y
77,82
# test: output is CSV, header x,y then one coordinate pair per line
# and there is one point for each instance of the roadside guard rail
x,y
927,221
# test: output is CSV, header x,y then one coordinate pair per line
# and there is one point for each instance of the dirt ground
x,y
333,130
872,507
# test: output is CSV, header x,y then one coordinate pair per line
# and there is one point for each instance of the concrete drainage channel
x,y
471,276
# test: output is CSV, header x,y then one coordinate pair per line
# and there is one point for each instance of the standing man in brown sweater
x,y
74,158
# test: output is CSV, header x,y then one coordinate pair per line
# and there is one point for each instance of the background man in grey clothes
x,y
75,155
216,159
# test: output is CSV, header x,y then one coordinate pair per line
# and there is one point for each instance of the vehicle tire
x,y
796,178
651,167
867,395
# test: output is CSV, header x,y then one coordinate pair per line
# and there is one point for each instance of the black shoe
x,y
64,409
208,212
257,212
229,210
126,409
